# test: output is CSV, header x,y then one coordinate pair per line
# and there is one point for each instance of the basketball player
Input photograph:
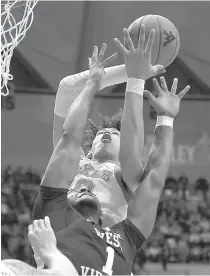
x,y
94,250
83,240
56,262
102,171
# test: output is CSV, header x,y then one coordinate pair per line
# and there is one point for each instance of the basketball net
x,y
12,32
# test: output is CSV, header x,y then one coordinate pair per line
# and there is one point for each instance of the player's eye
x,y
117,133
72,190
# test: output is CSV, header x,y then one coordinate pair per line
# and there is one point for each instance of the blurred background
x,y
58,44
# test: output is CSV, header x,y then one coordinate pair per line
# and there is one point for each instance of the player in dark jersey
x,y
92,249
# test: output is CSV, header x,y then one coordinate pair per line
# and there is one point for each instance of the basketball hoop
x,y
13,30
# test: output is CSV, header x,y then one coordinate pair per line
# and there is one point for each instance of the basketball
x,y
166,43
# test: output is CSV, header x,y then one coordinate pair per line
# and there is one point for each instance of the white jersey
x,y
102,181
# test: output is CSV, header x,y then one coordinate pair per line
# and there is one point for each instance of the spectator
x,y
17,203
202,185
183,249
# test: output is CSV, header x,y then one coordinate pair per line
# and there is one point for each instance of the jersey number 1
x,y
107,268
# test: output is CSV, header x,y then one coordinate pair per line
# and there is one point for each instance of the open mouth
x,y
85,194
106,137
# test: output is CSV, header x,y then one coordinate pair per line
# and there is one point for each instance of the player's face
x,y
106,144
82,198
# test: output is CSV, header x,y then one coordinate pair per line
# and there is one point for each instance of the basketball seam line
x,y
160,40
175,47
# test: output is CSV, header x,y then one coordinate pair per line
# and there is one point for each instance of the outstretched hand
x,y
138,61
167,103
42,238
97,63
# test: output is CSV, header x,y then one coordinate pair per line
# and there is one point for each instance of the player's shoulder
x,y
130,233
84,160
49,199
52,193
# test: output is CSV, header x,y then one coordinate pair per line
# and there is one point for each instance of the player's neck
x,y
89,214
102,160
92,219
93,222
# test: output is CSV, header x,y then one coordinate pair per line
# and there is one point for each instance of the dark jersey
x,y
91,249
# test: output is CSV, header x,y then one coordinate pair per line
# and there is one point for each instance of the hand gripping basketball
x,y
167,103
97,63
138,61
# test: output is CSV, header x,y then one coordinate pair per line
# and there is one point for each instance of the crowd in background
x,y
19,189
182,229
181,232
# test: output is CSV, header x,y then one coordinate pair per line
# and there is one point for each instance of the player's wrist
x,y
164,120
92,80
95,84
49,256
135,85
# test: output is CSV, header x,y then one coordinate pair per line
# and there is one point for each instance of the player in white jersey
x,y
101,168
109,153
103,179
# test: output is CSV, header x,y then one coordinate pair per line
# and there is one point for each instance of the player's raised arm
x,y
138,68
71,86
142,208
64,162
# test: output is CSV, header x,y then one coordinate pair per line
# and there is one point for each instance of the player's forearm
x,y
20,268
160,154
142,208
71,86
113,75
132,127
76,120
132,137
57,261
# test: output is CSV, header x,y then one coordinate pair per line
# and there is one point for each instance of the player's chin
x,y
87,200
106,141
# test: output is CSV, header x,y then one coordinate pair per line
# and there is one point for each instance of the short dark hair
x,y
105,122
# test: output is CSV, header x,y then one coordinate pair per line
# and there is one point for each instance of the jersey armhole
x,y
133,234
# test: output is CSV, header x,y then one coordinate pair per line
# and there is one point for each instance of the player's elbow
x,y
66,141
72,135
68,137
156,183
66,81
132,174
155,177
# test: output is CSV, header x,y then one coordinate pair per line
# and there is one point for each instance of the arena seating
x,y
182,229
181,233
